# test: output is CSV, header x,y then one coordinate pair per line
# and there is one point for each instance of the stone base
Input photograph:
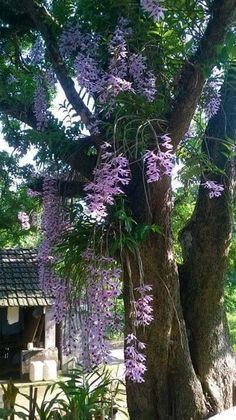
x,y
36,355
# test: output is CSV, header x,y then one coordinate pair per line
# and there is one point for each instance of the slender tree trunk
x,y
189,361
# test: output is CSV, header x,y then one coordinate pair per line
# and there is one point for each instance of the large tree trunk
x,y
190,369
168,357
205,241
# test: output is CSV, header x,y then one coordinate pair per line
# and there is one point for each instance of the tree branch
x,y
45,24
15,109
193,75
72,153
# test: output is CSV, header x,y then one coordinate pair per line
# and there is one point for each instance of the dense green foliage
x,y
14,199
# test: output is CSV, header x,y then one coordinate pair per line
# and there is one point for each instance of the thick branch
x,y
193,74
72,153
45,23
15,109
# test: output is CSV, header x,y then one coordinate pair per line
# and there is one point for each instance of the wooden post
x,y
50,329
59,342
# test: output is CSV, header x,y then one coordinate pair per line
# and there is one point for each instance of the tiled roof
x,y
19,281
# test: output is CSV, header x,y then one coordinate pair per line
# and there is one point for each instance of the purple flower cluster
x,y
117,48
93,125
159,163
115,85
108,177
37,52
137,65
143,308
213,105
40,105
103,286
126,72
70,40
153,8
88,73
70,339
141,315
96,81
73,39
144,80
31,193
51,77
134,359
214,189
213,99
24,220
54,223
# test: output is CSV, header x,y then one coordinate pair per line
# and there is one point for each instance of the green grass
x,y
231,316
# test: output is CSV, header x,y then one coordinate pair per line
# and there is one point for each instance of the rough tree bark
x,y
152,399
190,365
205,241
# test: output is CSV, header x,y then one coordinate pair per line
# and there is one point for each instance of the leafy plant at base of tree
x,y
81,396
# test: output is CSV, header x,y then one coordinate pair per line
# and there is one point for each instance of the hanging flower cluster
x,y
70,341
118,50
31,193
72,39
89,74
37,52
51,77
214,189
24,220
144,80
120,76
40,105
159,163
213,99
54,224
141,315
108,177
153,8
103,286
93,125
143,307
135,366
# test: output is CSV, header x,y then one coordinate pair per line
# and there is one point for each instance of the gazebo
x,y
27,326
